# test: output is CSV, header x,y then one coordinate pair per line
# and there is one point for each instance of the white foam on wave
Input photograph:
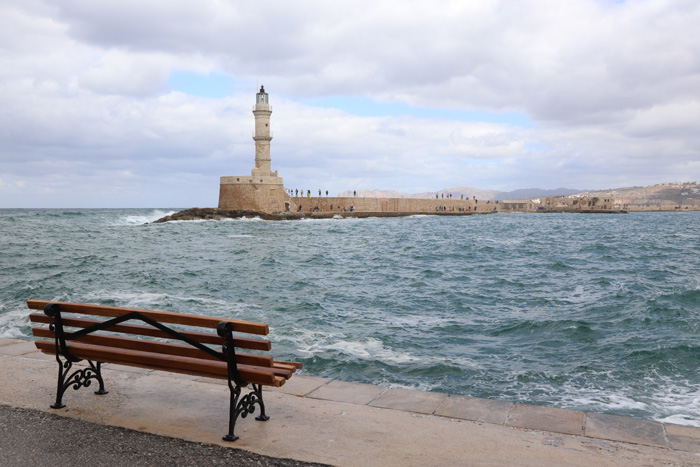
x,y
225,219
673,401
244,219
595,399
141,219
370,349
423,386
313,343
11,321
317,343
126,299
680,419
150,299
303,339
335,218
680,399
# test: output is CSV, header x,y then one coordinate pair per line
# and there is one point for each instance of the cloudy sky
x,y
147,103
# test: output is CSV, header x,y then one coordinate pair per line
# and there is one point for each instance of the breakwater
x,y
595,313
193,214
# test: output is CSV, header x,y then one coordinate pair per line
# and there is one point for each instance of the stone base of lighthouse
x,y
255,193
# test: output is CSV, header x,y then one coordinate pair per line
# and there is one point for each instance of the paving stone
x,y
40,356
409,400
130,369
219,381
626,429
472,408
683,438
534,417
18,348
181,376
300,385
7,341
351,393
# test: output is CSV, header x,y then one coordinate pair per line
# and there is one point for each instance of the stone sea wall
x,y
388,205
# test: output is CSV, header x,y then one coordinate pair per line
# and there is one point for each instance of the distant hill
x,y
663,193
530,193
466,192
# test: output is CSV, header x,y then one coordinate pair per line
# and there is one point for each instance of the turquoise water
x,y
590,312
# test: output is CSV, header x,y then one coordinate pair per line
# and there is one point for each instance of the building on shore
x,y
578,203
519,205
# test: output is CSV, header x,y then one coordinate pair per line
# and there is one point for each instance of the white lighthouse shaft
x,y
262,136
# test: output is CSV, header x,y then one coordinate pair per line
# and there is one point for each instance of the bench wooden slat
x,y
281,372
168,348
295,365
161,316
195,366
287,368
145,330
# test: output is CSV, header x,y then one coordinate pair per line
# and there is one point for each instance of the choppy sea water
x,y
590,312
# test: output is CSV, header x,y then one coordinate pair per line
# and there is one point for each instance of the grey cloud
x,y
560,62
611,89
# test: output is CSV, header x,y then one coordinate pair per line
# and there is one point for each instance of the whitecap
x,y
11,321
141,219
680,419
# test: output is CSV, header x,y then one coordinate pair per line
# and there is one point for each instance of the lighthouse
x,y
263,190
262,138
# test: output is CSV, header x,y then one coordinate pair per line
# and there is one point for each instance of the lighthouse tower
x,y
262,138
263,190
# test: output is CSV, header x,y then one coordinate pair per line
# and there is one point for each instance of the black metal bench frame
x,y
238,406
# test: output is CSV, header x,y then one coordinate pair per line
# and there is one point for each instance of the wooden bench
x,y
101,334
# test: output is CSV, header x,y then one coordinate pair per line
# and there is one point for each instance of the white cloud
x,y
611,89
126,74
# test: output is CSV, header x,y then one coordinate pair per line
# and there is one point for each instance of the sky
x,y
146,104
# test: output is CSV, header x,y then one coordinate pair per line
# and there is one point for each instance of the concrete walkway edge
x,y
340,423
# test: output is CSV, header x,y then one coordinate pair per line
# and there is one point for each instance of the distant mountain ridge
x,y
662,193
529,193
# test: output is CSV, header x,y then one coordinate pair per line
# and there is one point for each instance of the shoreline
x,y
219,214
192,214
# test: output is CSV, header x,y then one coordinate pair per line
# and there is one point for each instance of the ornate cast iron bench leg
x,y
79,378
239,406
242,406
258,399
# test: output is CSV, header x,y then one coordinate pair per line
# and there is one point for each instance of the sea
x,y
592,312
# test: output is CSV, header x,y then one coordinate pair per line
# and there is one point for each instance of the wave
x,y
141,219
64,214
14,323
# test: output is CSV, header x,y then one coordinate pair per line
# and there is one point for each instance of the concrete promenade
x,y
346,424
